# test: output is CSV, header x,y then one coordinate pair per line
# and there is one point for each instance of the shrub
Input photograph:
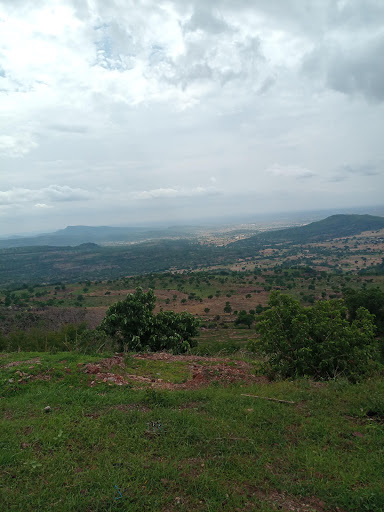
x,y
133,325
317,341
371,299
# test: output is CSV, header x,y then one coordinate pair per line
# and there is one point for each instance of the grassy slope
x,y
206,449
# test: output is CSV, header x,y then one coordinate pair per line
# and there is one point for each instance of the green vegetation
x,y
372,300
189,449
50,264
133,325
335,226
89,429
316,341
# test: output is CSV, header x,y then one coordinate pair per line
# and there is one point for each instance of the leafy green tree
x,y
317,341
129,321
133,325
244,318
173,331
371,299
227,308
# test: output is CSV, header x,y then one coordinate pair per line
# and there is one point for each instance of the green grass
x,y
176,372
207,449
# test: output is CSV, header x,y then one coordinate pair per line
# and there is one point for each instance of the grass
x,y
205,449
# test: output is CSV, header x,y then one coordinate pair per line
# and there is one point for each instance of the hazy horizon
x,y
266,219
171,111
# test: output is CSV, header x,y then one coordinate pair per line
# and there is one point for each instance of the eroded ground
x,y
193,371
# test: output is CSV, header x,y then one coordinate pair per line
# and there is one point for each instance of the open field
x,y
203,294
176,434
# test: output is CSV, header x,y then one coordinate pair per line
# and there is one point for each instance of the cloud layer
x,y
112,107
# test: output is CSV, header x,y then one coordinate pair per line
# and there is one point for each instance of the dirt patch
x,y
285,502
288,503
36,360
164,356
225,371
130,407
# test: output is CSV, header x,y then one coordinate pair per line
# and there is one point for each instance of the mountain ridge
x,y
334,226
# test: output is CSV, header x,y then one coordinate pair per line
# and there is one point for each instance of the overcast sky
x,y
120,112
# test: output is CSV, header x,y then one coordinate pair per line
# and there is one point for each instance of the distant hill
x,y
335,226
76,235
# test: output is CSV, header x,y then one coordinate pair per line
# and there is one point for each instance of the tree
x,y
244,318
317,341
173,331
371,299
133,325
227,308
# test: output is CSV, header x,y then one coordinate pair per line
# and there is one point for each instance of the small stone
x,y
47,409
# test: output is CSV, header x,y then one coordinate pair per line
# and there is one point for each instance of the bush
x,y
133,325
316,341
372,300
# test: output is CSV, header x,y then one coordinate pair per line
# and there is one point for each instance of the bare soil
x,y
224,371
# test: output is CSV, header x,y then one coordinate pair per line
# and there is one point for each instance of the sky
x,y
126,112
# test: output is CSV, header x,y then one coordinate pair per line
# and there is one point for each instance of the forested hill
x,y
335,226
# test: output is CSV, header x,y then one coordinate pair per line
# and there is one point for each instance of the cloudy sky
x,y
119,112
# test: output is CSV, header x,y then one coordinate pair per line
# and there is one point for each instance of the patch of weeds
x,y
156,398
175,372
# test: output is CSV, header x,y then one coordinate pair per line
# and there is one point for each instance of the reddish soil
x,y
202,375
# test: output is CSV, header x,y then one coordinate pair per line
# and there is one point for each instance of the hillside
x,y
76,235
335,226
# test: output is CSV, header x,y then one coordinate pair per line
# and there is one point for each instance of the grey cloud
x,y
356,13
362,169
354,69
350,171
207,19
155,96
266,85
204,60
361,72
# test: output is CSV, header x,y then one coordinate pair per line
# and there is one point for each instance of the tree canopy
x,y
133,325
317,341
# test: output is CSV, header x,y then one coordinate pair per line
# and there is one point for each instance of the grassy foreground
x,y
136,447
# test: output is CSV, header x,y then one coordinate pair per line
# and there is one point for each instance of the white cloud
x,y
130,98
170,193
290,171
43,205
16,145
53,193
